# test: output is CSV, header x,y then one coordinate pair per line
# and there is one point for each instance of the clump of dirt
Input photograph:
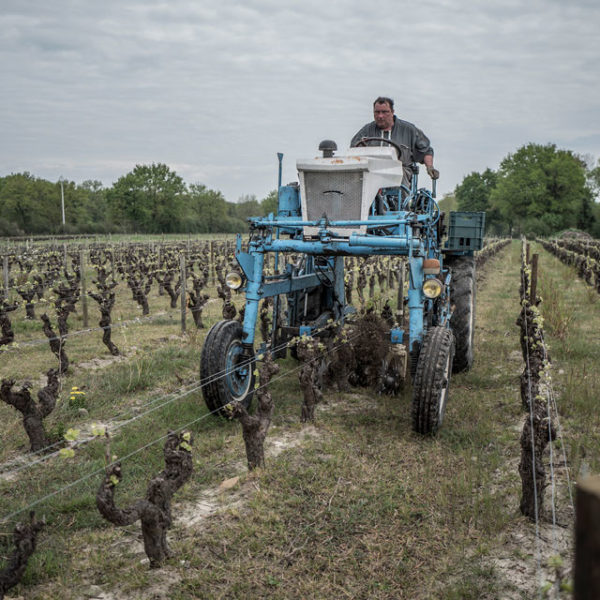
x,y
100,363
343,361
369,341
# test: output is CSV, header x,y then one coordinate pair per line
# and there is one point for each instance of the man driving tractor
x,y
414,144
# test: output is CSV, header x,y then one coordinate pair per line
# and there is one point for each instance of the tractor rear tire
x,y
226,376
462,323
432,381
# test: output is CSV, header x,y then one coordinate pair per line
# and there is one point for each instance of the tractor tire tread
x,y
429,379
216,392
462,323
207,377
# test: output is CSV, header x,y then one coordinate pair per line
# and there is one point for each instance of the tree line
x,y
149,199
537,190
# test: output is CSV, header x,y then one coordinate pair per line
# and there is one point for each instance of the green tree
x,y
594,180
586,217
16,203
29,205
97,219
448,202
593,177
208,210
247,206
270,203
78,208
540,189
149,199
473,194
595,228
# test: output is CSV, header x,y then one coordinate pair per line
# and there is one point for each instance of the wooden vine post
x,y
587,539
183,291
161,290
83,280
534,274
212,261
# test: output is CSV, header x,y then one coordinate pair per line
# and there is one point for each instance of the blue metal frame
x,y
410,231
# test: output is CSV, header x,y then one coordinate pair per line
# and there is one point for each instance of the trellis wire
x,y
194,388
72,484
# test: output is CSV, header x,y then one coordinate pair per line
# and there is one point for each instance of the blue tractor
x,y
353,205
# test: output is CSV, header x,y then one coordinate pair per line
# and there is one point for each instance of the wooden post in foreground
x,y
587,539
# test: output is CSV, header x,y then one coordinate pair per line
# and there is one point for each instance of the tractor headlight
x,y
233,280
433,287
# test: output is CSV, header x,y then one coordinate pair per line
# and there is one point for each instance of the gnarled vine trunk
x,y
33,413
154,511
24,539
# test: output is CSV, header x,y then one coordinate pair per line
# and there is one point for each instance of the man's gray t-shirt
x,y
404,134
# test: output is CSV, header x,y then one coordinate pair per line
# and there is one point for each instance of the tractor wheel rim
x,y
237,376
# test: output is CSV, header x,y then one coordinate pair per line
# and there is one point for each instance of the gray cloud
x,y
216,89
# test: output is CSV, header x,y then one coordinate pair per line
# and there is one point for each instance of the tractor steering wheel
x,y
364,141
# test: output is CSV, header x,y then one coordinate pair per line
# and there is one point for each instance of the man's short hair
x,y
384,100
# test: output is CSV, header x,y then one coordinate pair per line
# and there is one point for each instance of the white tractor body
x,y
342,188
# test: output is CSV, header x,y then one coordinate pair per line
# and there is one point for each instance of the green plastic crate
x,y
465,231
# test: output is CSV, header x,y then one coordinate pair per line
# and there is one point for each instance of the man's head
x,y
383,111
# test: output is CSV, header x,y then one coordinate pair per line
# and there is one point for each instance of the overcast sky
x,y
216,88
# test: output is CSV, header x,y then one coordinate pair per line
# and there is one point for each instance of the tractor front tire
x,y
432,380
462,298
226,374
